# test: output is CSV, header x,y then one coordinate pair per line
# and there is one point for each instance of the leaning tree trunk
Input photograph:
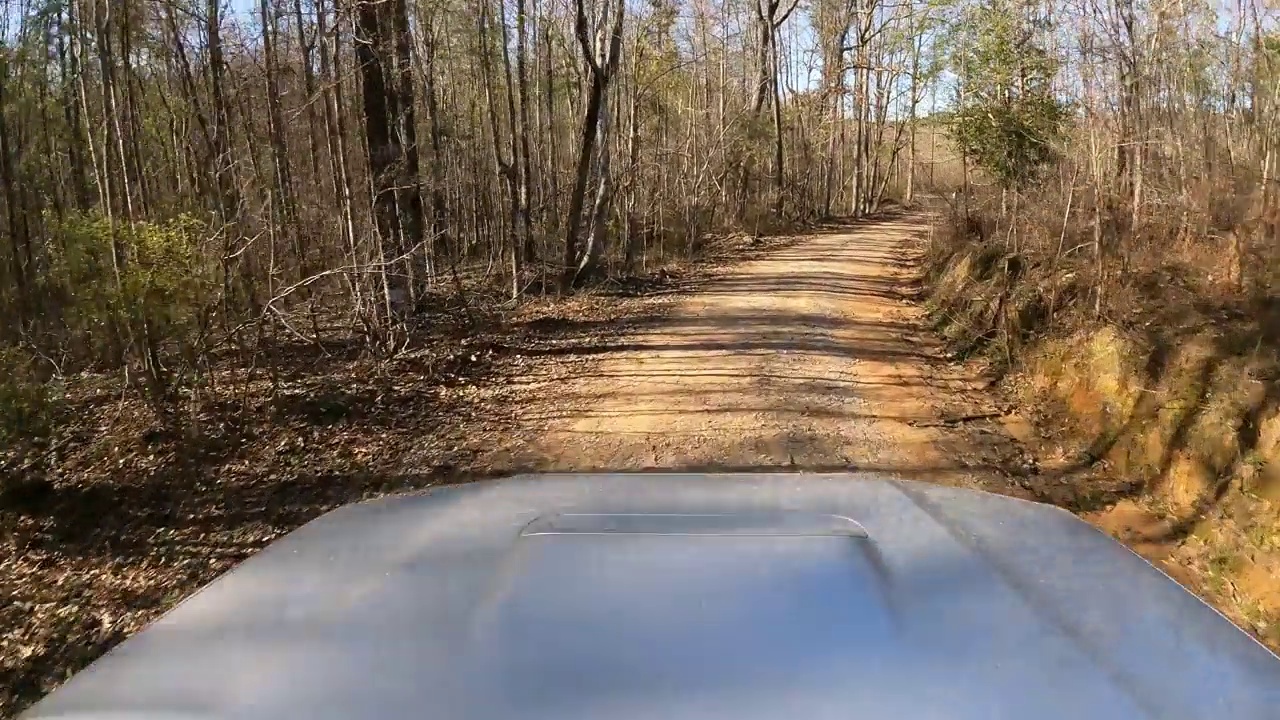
x,y
602,69
596,229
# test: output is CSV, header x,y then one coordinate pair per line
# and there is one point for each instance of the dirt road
x,y
814,357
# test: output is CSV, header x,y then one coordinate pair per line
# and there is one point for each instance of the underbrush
x,y
1152,359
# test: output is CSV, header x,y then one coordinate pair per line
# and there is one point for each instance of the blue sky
x,y
242,7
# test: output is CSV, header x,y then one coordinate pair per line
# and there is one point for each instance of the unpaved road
x,y
814,357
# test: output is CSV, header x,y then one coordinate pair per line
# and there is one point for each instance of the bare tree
x,y
601,54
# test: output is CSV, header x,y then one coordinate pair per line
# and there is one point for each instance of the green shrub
x,y
162,275
1007,117
142,293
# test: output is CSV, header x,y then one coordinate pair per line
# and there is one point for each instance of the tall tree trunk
x,y
553,148
372,27
19,236
601,71
113,136
916,42
439,209
763,86
409,184
596,229
283,206
127,118
778,167
526,164
222,162
68,70
519,188
335,134
306,48
383,55
633,229
507,168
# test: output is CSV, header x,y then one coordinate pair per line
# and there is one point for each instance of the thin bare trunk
x,y
602,67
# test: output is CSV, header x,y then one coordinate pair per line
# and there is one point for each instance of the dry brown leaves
x,y
115,520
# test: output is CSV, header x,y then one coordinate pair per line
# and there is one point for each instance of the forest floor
x,y
803,353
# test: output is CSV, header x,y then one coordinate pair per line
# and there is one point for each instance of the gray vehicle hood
x,y
686,597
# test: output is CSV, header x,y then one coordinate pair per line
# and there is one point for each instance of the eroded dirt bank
x,y
1157,420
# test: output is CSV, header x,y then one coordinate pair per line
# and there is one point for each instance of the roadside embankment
x,y
1154,405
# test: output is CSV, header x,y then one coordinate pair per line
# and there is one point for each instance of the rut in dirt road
x,y
811,358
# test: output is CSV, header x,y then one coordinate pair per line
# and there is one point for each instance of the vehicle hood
x,y
683,597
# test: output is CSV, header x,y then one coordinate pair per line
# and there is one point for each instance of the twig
x,y
365,268
956,420
290,328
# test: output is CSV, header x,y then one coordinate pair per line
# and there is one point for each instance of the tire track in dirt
x,y
813,357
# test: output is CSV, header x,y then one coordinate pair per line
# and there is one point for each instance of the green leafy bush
x,y
159,272
141,293
1007,118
